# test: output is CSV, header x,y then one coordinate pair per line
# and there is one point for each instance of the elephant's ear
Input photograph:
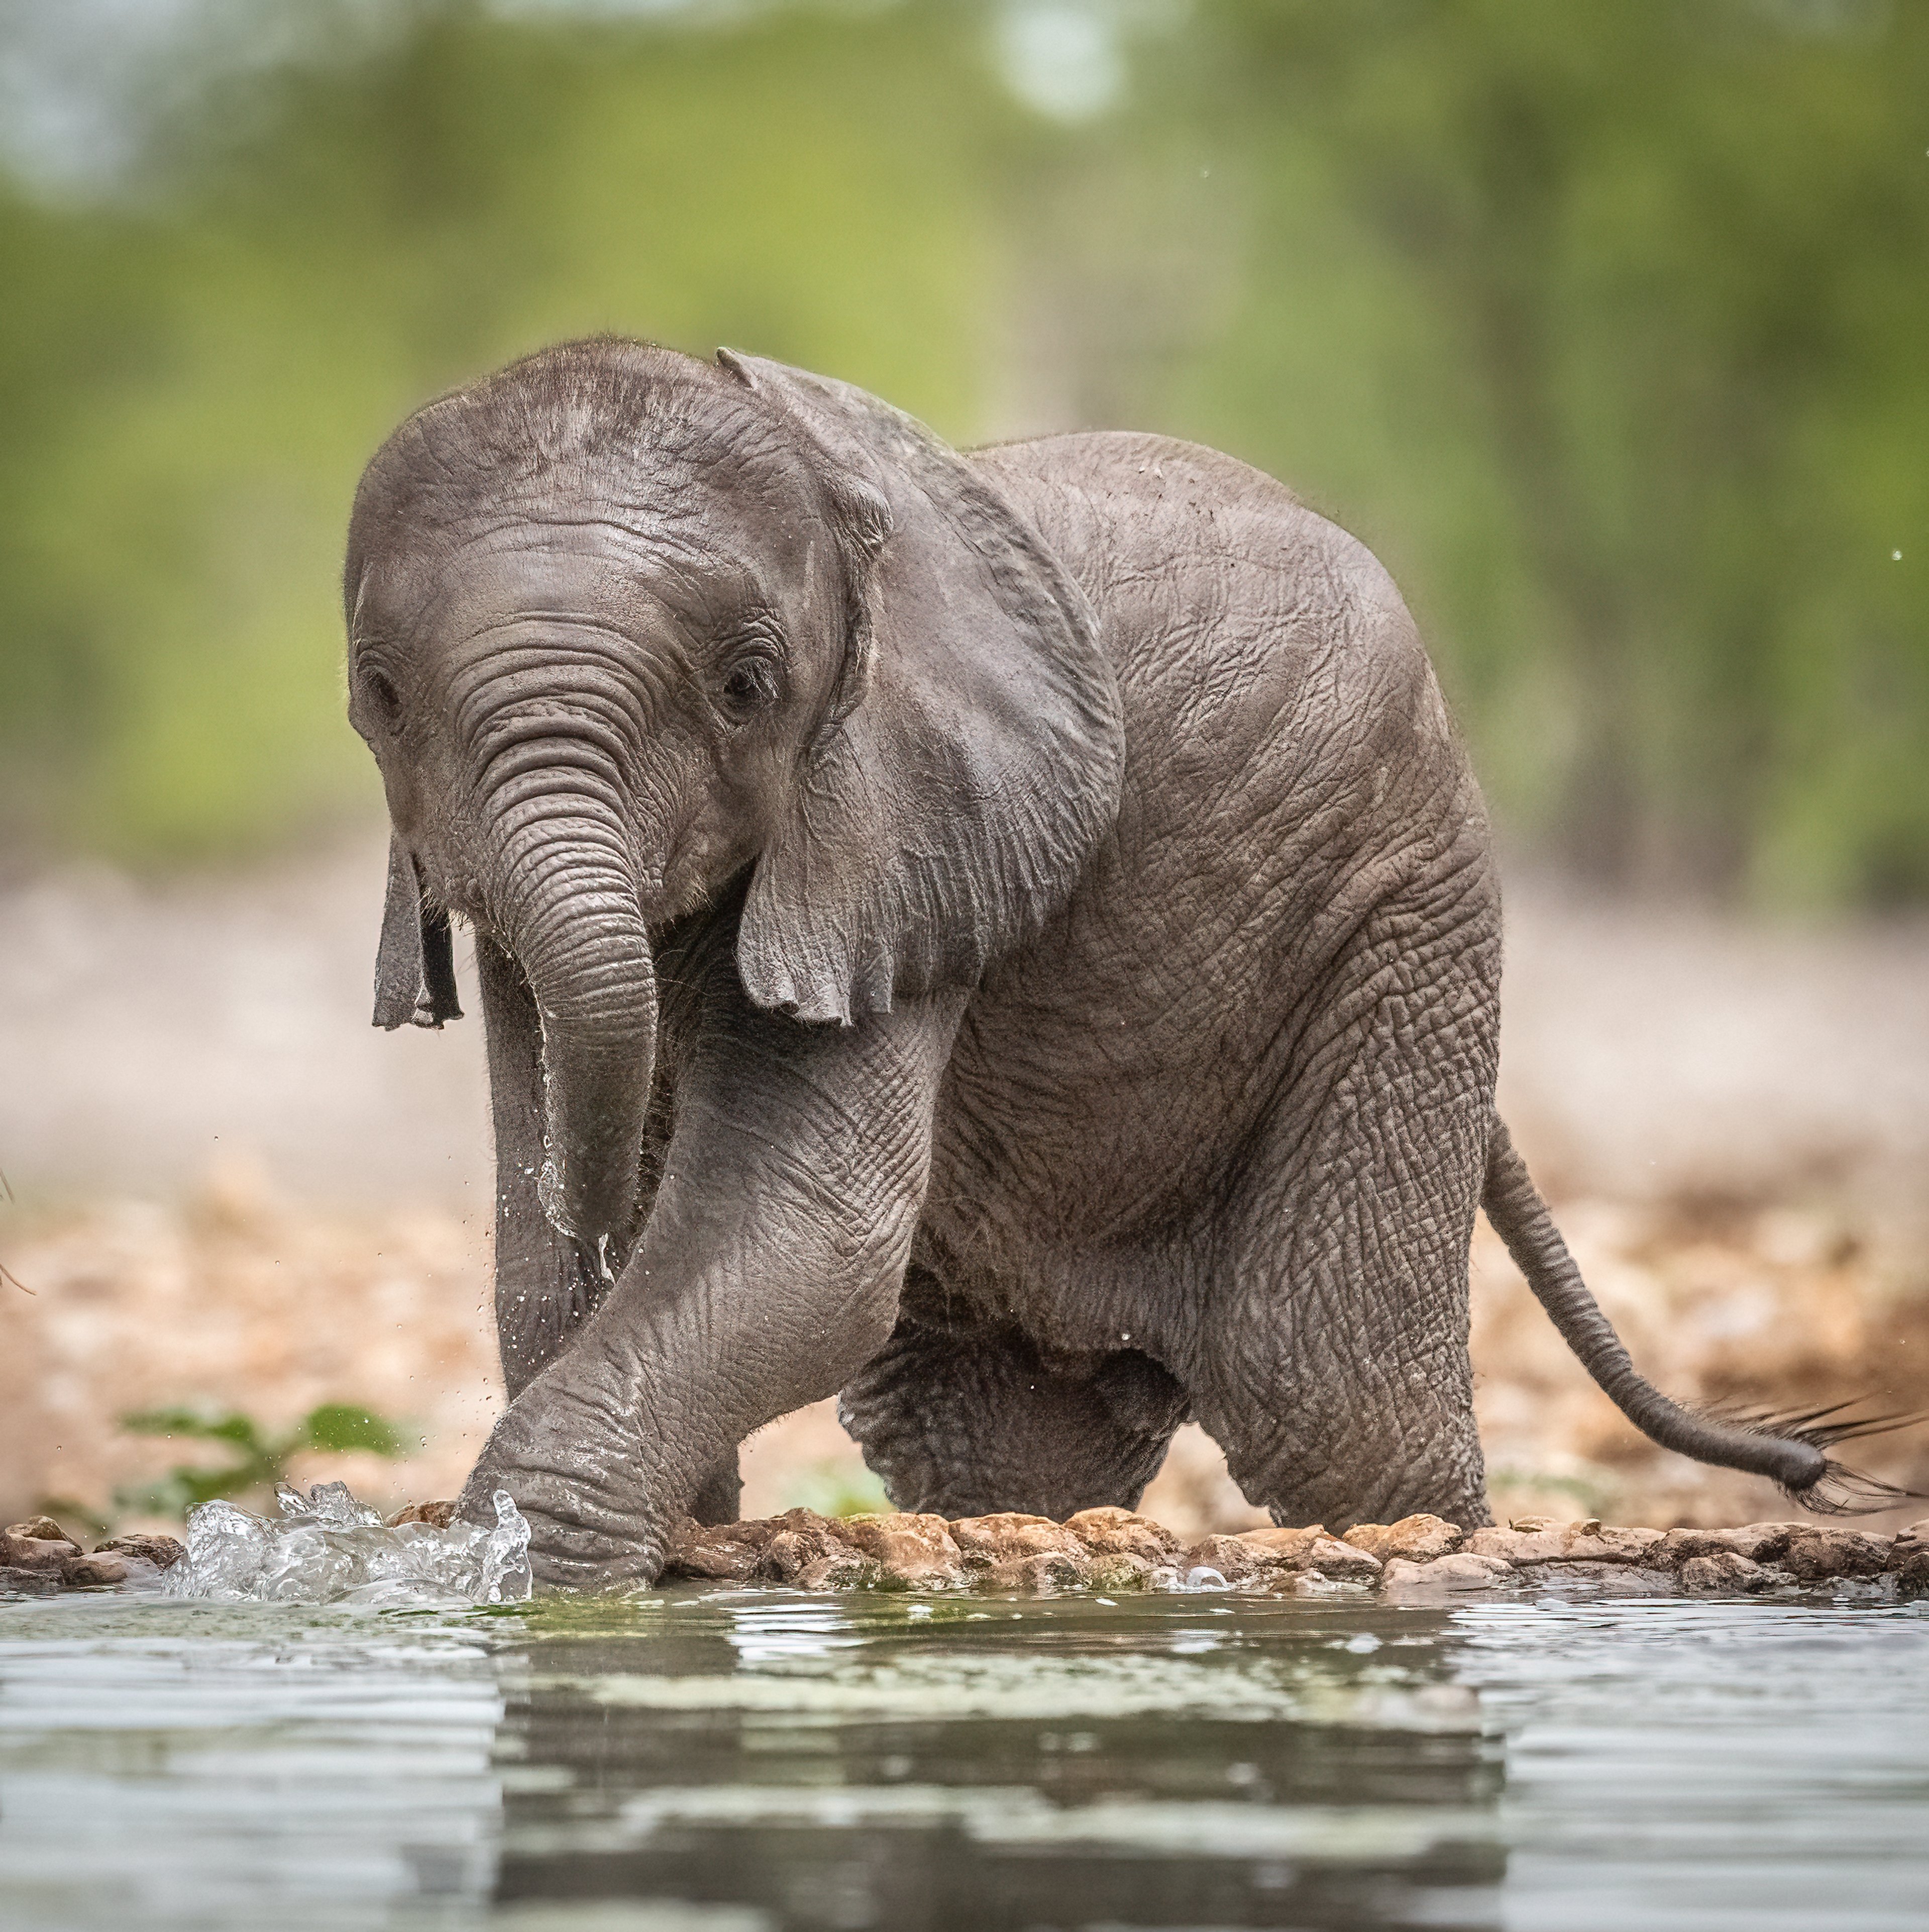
x,y
415,962
970,762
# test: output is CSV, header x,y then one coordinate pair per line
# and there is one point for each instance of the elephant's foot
x,y
570,1451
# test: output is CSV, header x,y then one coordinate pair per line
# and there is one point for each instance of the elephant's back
x,y
1290,773
1273,684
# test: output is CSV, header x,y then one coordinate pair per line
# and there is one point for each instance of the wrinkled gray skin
x,y
1010,938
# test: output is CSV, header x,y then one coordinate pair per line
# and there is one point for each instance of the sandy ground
x,y
229,1189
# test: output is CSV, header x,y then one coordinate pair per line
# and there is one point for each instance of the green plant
x,y
258,1460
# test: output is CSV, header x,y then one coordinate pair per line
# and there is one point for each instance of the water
x,y
326,1547
740,1761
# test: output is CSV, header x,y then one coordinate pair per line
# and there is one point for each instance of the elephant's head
x,y
623,624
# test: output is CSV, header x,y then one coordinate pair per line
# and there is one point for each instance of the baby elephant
x,y
1010,937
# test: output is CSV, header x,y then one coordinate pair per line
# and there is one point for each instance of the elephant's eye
x,y
749,684
385,701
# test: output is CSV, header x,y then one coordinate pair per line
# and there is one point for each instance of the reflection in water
x,y
882,1761
175,1766
744,1761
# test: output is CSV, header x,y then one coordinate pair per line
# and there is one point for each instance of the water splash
x,y
327,1547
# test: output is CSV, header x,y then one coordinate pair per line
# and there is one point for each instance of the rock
x,y
1259,1553
1608,1579
1530,1524
1235,1559
1815,1554
1458,1573
163,1552
1118,1532
437,1515
1759,1542
1114,1548
16,1581
985,1540
839,1570
800,1542
40,1565
1588,1542
1040,1576
1909,1557
1725,1569
18,1551
917,1551
105,1570
1416,1539
727,1552
41,1529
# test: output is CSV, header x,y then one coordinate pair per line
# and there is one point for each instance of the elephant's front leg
x,y
767,1275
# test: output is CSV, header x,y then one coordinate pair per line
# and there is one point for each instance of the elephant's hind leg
x,y
964,1423
1334,1365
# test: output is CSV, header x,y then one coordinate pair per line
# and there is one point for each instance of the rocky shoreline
x,y
1112,1549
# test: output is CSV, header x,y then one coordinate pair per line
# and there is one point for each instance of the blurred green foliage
x,y
256,1460
1604,326
834,1488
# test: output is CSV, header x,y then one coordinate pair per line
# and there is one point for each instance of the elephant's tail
x,y
1790,1448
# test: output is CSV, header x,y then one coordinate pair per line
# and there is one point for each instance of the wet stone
x,y
1455,1574
801,1548
1416,1539
18,1582
1041,1575
1909,1555
1814,1554
1725,1569
436,1515
1119,1533
108,1570
720,1552
40,1529
1605,1579
919,1552
1007,1537
1282,1553
1759,1542
163,1552
21,1551
1546,1542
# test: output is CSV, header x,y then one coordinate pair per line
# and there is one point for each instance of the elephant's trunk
x,y
568,906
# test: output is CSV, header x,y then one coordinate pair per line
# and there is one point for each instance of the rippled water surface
x,y
746,1762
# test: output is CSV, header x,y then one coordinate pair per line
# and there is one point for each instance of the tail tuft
x,y
1835,1490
